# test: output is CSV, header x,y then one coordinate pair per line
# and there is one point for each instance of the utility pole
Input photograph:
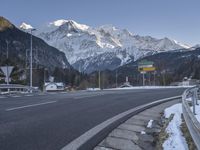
x,y
79,76
163,75
102,80
31,65
99,79
154,77
44,78
149,79
7,80
116,78
7,49
143,79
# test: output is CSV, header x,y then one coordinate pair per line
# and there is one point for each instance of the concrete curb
x,y
95,135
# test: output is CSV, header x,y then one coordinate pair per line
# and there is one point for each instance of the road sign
x,y
145,62
145,66
7,70
143,72
147,69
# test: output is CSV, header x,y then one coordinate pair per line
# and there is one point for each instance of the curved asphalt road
x,y
49,122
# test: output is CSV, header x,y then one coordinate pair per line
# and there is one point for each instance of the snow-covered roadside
x,y
147,87
175,139
93,89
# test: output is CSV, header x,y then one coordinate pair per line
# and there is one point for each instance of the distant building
x,y
188,81
126,84
54,86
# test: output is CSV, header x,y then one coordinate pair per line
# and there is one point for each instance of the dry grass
x,y
187,136
162,136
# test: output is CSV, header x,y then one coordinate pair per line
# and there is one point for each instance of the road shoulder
x,y
137,132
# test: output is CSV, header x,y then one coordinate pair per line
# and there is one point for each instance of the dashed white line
x,y
2,97
32,105
42,94
80,97
28,95
15,96
52,93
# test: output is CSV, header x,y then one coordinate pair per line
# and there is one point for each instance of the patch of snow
x,y
148,87
175,140
68,34
25,26
80,26
60,22
189,99
183,45
149,125
143,132
93,89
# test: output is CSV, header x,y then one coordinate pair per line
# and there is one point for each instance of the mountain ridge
x,y
19,43
82,43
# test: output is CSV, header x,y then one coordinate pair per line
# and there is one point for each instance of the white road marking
x,y
80,97
42,94
32,105
15,96
2,97
52,93
28,95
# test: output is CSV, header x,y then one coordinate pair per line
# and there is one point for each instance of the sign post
x,y
144,67
7,70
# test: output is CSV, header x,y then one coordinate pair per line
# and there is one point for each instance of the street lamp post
x,y
143,79
45,69
7,49
99,79
31,61
154,77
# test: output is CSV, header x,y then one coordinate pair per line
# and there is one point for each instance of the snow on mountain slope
x,y
25,26
84,46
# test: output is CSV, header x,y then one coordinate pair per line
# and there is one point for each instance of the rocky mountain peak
x,y
85,45
5,24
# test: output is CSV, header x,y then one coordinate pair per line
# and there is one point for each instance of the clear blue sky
x,y
176,19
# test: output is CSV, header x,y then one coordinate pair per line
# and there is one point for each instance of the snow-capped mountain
x,y
105,47
25,26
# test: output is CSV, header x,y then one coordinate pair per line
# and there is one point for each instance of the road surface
x,y
51,121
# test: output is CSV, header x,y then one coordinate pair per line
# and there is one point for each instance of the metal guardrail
x,y
189,115
15,88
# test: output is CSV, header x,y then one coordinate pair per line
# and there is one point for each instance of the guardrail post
x,y
193,103
196,96
189,115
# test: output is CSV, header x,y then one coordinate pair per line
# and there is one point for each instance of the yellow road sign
x,y
146,69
